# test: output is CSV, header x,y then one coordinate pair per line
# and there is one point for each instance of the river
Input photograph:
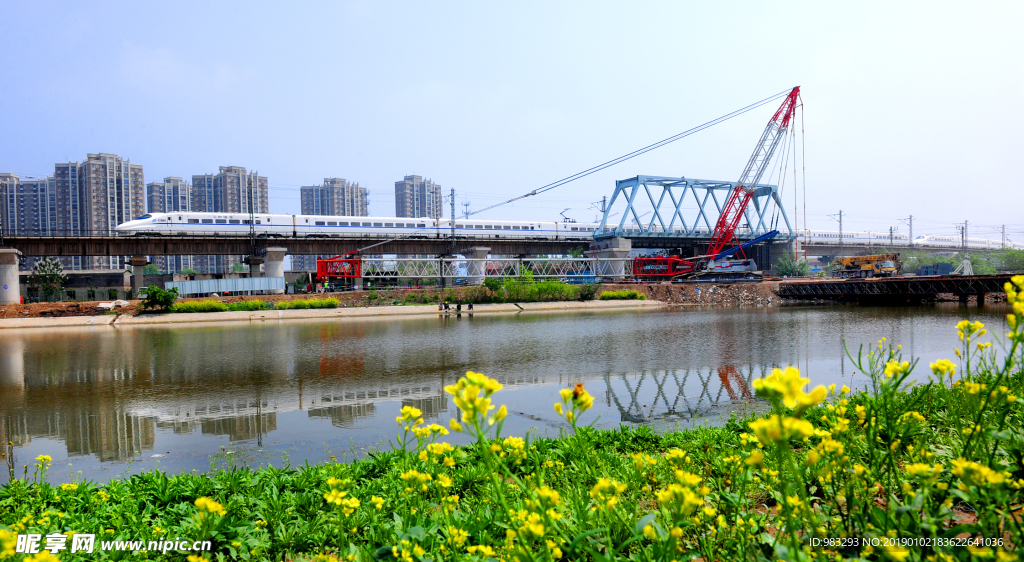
x,y
107,402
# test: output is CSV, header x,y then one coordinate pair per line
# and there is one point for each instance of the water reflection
x,y
680,395
114,395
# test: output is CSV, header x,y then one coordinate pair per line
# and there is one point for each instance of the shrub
x,y
158,299
200,306
248,305
307,303
493,284
587,292
622,295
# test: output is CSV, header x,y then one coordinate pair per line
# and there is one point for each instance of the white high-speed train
x,y
304,226
882,239
316,226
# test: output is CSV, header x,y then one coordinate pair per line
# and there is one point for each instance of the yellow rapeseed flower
x,y
974,474
206,504
787,385
779,428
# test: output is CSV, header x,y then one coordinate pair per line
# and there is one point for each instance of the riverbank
x,y
936,464
738,294
121,320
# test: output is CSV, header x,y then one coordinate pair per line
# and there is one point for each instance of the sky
x,y
912,108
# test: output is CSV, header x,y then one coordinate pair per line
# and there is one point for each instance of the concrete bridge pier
x,y
476,270
610,248
10,288
254,263
275,265
138,276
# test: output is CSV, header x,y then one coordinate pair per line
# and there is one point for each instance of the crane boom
x,y
736,204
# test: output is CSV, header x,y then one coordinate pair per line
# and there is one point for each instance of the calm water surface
x,y
109,402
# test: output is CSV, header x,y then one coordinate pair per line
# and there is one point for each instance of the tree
x,y
150,269
188,271
239,268
48,277
575,252
791,267
158,299
1011,260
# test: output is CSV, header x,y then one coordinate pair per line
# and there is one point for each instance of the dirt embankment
x,y
740,294
730,294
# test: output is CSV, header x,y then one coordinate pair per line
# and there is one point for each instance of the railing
x,y
569,269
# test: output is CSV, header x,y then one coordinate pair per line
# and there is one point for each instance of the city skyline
x,y
532,94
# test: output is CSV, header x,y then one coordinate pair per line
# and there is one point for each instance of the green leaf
x,y
417,532
644,521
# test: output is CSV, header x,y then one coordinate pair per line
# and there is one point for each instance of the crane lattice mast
x,y
736,204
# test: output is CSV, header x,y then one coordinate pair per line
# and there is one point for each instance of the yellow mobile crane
x,y
878,265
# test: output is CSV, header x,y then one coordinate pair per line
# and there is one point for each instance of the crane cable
x,y
609,163
637,152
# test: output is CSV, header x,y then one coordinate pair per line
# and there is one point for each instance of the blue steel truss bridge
x,y
660,211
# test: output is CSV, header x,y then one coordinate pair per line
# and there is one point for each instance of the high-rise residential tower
x,y
335,197
417,198
27,206
171,195
111,191
232,190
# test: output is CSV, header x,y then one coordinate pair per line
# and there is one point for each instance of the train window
x,y
531,228
460,226
367,224
319,223
389,224
343,223
258,221
245,221
222,221
193,221
421,226
233,221
478,226
507,227
515,228
179,218
574,228
332,223
378,224
207,221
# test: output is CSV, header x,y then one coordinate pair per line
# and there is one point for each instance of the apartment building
x,y
417,198
171,195
336,196
231,190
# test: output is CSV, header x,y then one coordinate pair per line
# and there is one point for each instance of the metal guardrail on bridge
x,y
583,269
883,288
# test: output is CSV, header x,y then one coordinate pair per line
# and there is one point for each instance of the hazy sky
x,y
912,108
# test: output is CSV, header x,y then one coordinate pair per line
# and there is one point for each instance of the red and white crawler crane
x,y
724,233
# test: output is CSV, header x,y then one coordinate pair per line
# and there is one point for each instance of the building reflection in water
x,y
107,393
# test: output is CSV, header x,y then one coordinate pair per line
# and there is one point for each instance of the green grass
x,y
307,303
629,294
940,458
